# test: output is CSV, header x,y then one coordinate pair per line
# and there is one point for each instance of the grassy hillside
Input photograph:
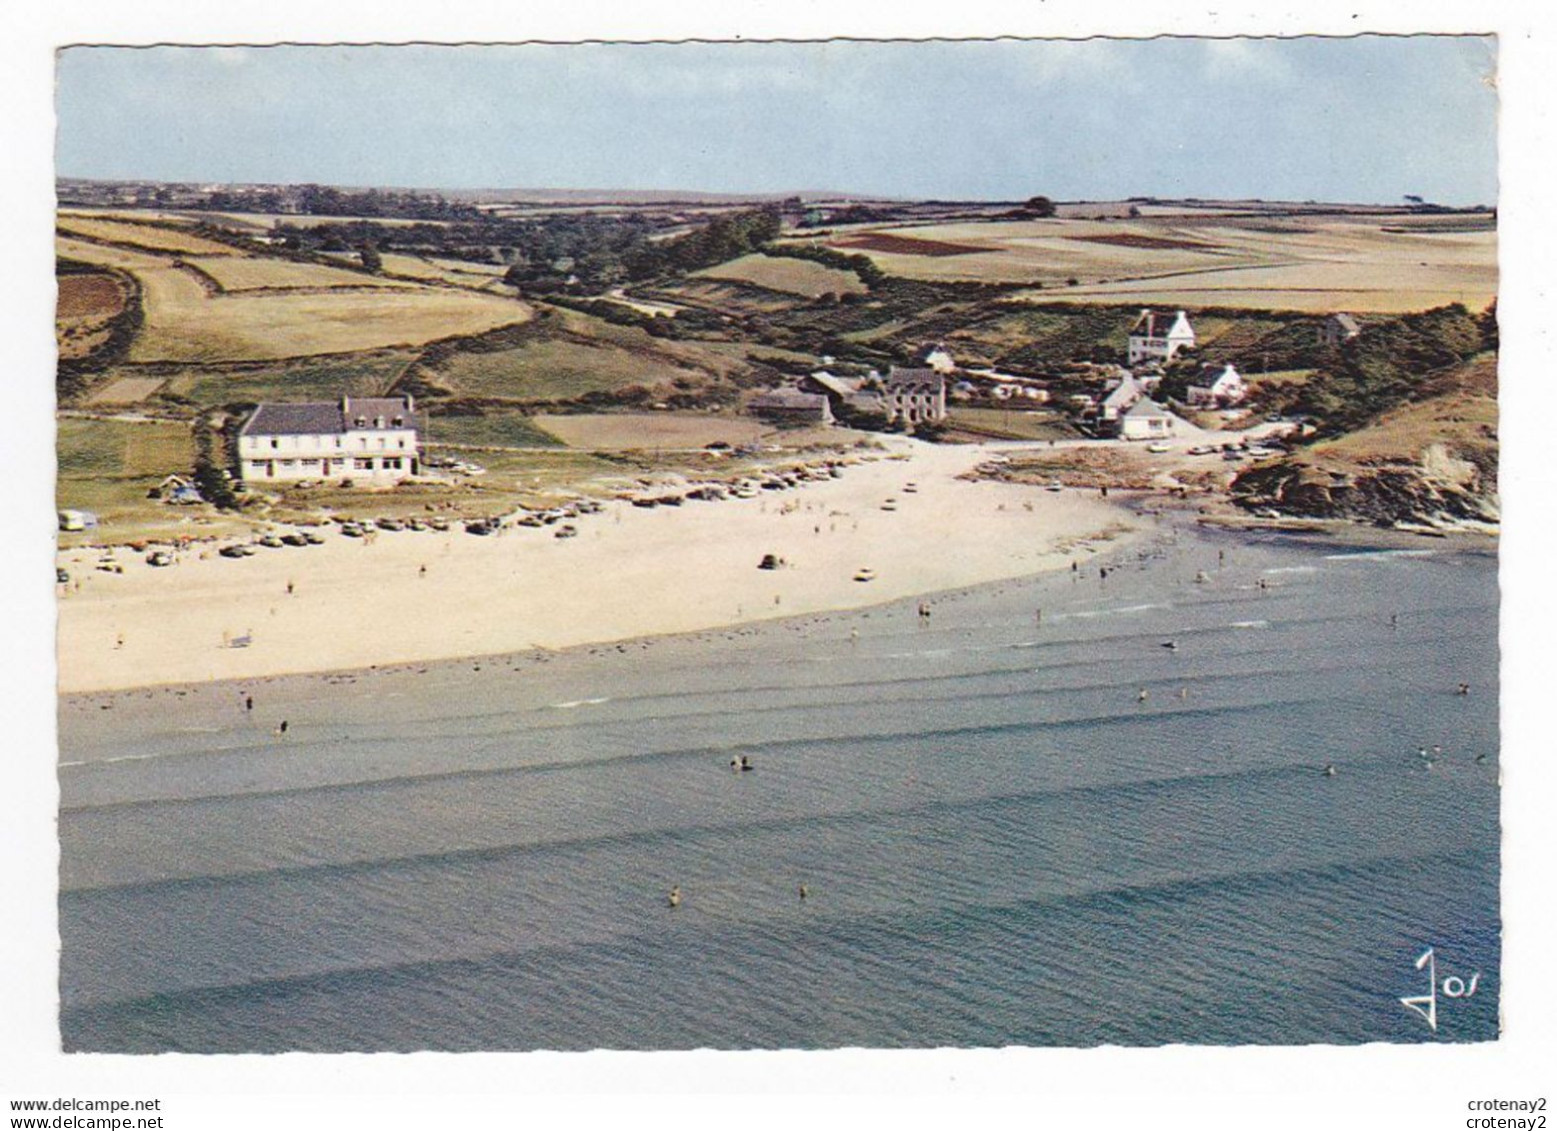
x,y
1430,459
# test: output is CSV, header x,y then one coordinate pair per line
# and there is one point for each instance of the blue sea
x,y
1025,819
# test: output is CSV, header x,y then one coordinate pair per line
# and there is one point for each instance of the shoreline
x,y
419,598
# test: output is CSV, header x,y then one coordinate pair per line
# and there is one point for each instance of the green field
x,y
494,429
324,380
108,466
575,354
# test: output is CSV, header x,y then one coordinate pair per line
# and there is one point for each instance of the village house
x,y
1118,401
1217,385
791,406
1158,335
1146,420
372,440
1338,328
937,357
914,396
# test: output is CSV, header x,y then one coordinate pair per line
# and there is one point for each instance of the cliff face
x,y
1392,495
1431,462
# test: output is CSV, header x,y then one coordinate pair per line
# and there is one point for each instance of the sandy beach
x,y
630,572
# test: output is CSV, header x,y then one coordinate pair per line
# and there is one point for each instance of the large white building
x,y
368,440
1158,335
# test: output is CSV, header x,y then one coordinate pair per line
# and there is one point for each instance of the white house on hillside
x,y
1217,385
1158,335
372,440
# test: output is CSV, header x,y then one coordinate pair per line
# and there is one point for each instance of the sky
x,y
1363,119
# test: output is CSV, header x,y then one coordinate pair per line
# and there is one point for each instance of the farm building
x,y
1158,335
1338,328
363,439
791,406
1217,385
914,396
1146,420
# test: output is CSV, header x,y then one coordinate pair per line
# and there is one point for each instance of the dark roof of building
x,y
1211,374
1155,323
900,380
326,418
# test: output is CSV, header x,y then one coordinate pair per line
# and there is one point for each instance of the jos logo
x,y
1453,987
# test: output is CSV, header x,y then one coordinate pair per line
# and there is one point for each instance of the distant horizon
x,y
600,195
1294,119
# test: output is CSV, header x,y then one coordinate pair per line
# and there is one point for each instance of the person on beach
x,y
674,899
282,728
248,702
1141,696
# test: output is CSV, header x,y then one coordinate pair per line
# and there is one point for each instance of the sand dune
x,y
630,572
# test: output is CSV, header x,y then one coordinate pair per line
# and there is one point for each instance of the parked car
x,y
1159,447
294,539
351,530
271,542
159,558
231,552
567,530
312,539
477,528
61,577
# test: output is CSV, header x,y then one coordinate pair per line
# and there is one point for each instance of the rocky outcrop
x,y
1440,491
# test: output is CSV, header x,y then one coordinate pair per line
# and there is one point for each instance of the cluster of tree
x,y
1386,364
723,238
591,247
852,214
863,266
322,200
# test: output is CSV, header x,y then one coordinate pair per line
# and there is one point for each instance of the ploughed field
x,y
206,302
1361,262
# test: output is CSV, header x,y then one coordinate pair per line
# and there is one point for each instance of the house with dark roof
x,y
1218,385
370,440
1157,335
914,396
